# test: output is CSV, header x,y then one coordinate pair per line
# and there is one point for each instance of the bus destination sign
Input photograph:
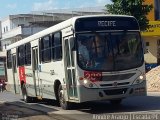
x,y
106,23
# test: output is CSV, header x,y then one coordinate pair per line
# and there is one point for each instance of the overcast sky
x,y
9,7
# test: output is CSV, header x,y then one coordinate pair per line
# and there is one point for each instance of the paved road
x,y
13,112
13,108
135,107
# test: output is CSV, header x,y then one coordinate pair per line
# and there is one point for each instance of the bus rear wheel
x,y
62,101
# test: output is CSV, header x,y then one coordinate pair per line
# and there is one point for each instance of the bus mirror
x,y
72,45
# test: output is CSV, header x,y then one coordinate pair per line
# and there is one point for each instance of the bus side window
x,y
45,49
40,54
21,55
57,46
28,54
9,60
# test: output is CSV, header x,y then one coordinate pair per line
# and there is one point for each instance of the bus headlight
x,y
139,80
87,83
141,77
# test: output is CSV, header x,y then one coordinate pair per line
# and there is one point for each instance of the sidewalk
x,y
153,80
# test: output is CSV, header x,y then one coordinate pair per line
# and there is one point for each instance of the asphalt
x,y
9,98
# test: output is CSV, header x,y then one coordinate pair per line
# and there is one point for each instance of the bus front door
x,y
37,84
70,68
15,75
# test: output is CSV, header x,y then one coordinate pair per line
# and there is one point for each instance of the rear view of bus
x,y
110,62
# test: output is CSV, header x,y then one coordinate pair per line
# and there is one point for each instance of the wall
x,y
5,25
152,34
20,21
32,30
153,30
151,55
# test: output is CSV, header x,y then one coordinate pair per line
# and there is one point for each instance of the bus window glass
x,y
57,46
67,55
109,51
21,55
46,49
28,54
9,60
129,50
14,63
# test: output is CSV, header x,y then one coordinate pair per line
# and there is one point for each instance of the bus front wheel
x,y
62,101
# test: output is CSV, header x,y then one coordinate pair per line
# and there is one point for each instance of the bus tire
x,y
116,101
26,98
63,103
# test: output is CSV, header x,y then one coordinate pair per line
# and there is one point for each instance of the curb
x,y
153,93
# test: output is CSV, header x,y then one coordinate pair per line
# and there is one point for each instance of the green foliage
x,y
135,8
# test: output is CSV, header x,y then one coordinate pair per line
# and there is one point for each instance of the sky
x,y
9,7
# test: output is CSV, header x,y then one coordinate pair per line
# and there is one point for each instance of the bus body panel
x,y
48,74
10,80
108,90
99,94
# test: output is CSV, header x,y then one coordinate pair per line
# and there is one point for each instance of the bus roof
x,y
56,27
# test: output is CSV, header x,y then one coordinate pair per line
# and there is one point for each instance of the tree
x,y
135,8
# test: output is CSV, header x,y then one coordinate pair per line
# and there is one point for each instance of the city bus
x,y
82,59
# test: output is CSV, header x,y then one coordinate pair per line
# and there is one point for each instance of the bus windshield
x,y
109,51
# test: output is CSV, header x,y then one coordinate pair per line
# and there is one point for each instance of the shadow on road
x,y
19,109
132,104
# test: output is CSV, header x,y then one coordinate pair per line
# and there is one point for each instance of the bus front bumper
x,y
88,94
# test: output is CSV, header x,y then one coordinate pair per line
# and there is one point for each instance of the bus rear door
x,y
37,82
15,75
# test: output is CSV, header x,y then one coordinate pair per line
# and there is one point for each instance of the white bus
x,y
85,58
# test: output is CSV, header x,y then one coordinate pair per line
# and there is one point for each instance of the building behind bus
x,y
151,36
